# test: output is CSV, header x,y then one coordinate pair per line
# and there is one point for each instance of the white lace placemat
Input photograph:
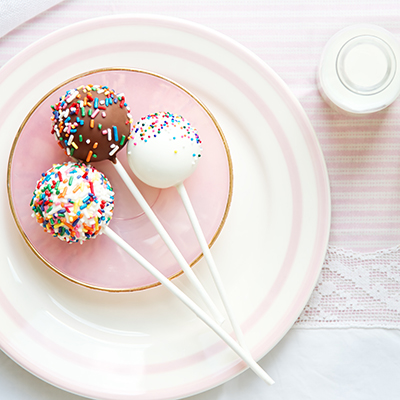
x,y
355,290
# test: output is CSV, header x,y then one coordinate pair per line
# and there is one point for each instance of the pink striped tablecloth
x,y
359,286
362,154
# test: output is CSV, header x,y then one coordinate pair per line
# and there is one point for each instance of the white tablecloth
x,y
308,364
363,160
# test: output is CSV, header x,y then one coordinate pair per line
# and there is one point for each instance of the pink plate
x,y
99,263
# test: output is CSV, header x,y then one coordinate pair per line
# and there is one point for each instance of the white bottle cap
x,y
359,72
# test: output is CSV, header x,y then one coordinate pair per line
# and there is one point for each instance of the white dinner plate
x,y
97,264
146,344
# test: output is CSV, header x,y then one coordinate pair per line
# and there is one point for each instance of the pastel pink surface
x,y
164,375
100,263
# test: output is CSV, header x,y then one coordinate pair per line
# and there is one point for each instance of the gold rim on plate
x,y
91,72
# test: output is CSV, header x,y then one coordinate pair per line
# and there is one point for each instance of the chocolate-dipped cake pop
x,y
73,201
92,123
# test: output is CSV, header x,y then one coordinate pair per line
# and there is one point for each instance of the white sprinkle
x,y
102,102
70,139
72,96
86,213
88,141
113,151
103,114
112,145
109,134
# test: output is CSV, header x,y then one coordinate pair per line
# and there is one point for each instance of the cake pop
x,y
75,202
93,123
163,151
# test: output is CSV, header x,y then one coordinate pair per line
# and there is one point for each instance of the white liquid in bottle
x,y
359,71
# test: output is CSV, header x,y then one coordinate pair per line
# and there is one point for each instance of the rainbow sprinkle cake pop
x,y
92,123
164,149
73,202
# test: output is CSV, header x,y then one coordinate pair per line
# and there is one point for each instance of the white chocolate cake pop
x,y
73,201
164,149
163,152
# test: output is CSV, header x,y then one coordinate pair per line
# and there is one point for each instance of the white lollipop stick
x,y
168,241
86,210
242,353
210,261
164,152
74,119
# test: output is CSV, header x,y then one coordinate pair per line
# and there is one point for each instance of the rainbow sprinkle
x,y
153,125
73,201
82,106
